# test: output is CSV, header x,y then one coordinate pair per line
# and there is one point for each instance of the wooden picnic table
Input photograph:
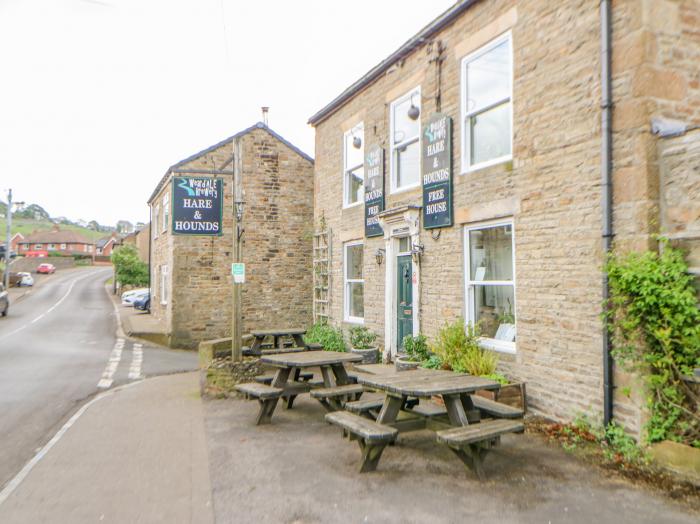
x,y
279,336
336,382
461,430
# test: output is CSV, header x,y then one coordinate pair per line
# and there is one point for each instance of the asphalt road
x,y
58,347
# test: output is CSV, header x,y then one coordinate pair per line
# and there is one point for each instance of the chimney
x,y
265,109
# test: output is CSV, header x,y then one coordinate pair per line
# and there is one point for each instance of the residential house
x,y
481,171
140,239
58,241
105,245
192,238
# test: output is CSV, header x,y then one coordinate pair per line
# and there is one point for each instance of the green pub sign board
x,y
437,171
197,205
374,190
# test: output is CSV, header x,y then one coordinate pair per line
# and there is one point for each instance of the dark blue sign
x,y
437,172
374,190
197,205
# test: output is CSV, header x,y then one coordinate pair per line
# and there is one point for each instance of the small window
x,y
38,246
354,283
353,165
486,105
164,284
52,247
166,212
490,284
156,212
63,246
405,141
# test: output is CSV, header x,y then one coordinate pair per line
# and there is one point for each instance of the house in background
x,y
460,178
139,239
192,238
58,241
105,245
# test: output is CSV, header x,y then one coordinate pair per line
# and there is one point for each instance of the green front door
x,y
404,299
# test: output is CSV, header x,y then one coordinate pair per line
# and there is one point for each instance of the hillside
x,y
27,226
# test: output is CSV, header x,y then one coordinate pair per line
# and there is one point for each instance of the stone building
x,y
504,225
191,283
140,239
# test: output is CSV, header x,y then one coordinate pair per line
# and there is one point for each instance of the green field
x,y
27,226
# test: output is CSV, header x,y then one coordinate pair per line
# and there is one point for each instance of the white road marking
x,y
37,319
136,361
17,480
112,365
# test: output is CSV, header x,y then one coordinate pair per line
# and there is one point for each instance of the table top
x,y
426,383
309,359
278,332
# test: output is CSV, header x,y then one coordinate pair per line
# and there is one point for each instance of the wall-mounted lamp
x,y
417,251
413,111
379,256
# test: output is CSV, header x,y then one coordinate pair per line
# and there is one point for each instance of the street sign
x,y
437,172
197,205
374,190
238,272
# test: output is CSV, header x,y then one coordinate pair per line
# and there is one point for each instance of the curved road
x,y
57,344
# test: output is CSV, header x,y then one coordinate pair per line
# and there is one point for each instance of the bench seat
x,y
428,410
267,379
259,391
496,409
474,433
363,406
337,391
370,431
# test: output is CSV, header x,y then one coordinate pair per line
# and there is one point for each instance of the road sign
x,y
238,272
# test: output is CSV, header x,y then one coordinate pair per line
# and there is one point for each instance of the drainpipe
x,y
606,186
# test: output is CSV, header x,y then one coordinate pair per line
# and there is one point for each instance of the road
x,y
59,347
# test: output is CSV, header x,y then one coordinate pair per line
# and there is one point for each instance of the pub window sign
x,y
197,205
437,172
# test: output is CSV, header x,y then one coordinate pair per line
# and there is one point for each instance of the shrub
x,y
434,362
330,338
654,321
362,338
416,348
459,349
129,269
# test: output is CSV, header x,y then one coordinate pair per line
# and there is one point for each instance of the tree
x,y
129,270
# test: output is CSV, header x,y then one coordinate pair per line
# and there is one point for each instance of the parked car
x,y
143,302
4,301
46,268
25,279
128,297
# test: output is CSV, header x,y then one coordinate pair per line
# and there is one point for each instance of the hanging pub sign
x,y
437,171
197,205
374,190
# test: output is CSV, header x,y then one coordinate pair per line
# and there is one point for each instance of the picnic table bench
x,y
280,341
457,424
336,389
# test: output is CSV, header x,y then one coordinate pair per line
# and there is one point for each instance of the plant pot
x,y
402,363
369,355
510,394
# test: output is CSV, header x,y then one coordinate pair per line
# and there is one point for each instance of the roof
x,y
102,242
55,237
407,48
258,125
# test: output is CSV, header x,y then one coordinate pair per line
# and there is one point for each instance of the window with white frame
x,y
405,141
353,166
63,246
156,212
490,283
166,211
164,284
52,247
354,283
38,246
487,87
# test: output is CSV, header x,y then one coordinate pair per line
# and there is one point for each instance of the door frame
x,y
398,223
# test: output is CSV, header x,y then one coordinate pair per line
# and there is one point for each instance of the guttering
x,y
407,48
607,191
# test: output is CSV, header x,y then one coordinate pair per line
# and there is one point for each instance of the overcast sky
x,y
99,97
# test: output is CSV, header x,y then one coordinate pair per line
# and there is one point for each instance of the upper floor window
x,y
490,283
353,165
487,89
404,130
166,211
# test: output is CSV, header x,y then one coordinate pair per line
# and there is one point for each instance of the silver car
x,y
4,301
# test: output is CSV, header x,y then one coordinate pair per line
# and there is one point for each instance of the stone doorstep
x,y
678,458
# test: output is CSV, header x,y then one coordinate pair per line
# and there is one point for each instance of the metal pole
x,y
6,275
236,312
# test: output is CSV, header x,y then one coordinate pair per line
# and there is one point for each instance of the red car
x,y
46,268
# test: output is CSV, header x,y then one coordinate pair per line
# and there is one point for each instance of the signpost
x,y
238,272
374,190
437,171
197,206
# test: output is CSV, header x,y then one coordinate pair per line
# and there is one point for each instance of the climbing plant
x,y
654,321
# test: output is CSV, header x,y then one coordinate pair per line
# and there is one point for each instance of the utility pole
x,y
236,310
6,273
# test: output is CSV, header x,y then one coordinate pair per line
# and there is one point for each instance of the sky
x,y
99,97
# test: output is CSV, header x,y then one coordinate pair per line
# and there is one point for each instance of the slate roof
x,y
55,237
258,125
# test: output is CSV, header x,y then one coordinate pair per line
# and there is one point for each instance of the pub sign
x,y
374,190
197,205
437,171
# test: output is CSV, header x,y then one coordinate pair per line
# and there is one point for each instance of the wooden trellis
x,y
322,275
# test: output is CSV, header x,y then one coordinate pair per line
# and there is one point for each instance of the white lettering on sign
x,y
436,208
197,203
192,225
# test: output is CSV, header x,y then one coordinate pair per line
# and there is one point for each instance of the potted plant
x,y
362,342
415,352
